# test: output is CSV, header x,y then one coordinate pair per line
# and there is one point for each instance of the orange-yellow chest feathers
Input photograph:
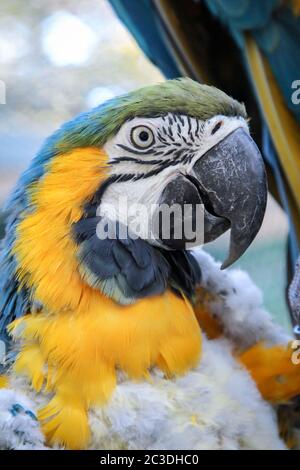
x,y
75,346
44,247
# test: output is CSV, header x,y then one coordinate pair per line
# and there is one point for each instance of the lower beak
x,y
232,184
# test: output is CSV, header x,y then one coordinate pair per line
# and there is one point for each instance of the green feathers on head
x,y
95,127
183,96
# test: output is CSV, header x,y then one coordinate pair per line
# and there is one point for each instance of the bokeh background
x,y
61,57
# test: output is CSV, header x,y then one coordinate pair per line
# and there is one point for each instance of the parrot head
x,y
189,148
181,144
178,143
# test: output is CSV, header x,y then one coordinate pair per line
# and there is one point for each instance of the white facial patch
x,y
169,139
149,152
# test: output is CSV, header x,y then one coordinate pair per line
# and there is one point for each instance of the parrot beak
x,y
232,184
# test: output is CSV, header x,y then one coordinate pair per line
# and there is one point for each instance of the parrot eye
x,y
142,137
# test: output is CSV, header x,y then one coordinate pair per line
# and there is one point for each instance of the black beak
x,y
232,183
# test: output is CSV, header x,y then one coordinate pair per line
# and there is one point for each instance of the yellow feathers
x,y
3,381
74,348
44,247
65,421
277,378
78,355
208,322
31,363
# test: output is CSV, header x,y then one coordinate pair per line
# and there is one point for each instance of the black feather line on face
x,y
192,137
180,119
118,160
91,207
161,138
189,124
161,165
184,139
170,133
135,151
159,153
165,147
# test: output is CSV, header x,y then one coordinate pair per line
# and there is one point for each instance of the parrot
x,y
120,337
249,49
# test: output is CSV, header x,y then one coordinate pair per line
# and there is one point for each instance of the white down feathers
x,y
215,406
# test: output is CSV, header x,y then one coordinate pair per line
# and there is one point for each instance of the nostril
x,y
217,127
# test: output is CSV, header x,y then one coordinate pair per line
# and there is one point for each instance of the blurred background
x,y
61,57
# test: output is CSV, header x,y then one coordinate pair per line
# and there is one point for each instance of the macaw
x,y
135,340
248,48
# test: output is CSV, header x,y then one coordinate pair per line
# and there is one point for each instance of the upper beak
x,y
232,185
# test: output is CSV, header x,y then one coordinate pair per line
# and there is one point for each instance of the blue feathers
x,y
141,19
243,14
128,269
275,29
122,268
17,409
14,301
279,41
